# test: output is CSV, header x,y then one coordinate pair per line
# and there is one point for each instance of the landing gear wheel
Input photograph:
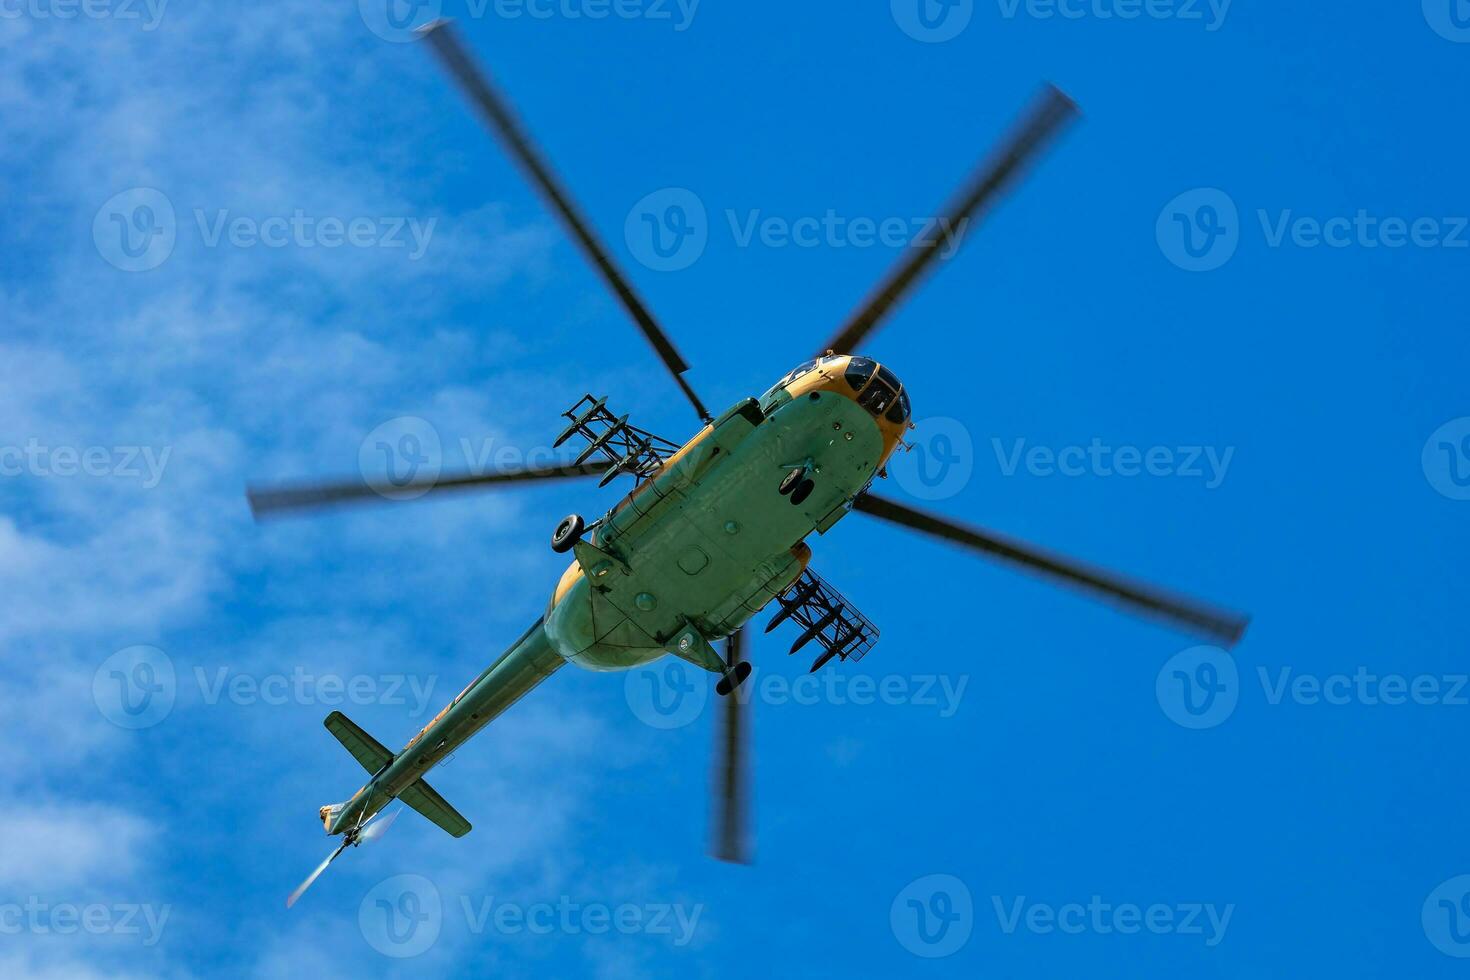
x,y
803,490
789,482
733,679
568,533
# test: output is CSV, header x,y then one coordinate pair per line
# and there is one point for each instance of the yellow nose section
x,y
831,375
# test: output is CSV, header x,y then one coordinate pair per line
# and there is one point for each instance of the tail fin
x,y
373,756
423,798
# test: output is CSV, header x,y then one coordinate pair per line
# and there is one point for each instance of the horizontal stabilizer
x,y
423,798
368,751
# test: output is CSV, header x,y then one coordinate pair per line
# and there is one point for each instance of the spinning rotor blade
x,y
497,114
371,831
311,878
1224,627
265,503
377,828
984,188
732,771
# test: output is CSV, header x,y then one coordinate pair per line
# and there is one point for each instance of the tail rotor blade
x,y
379,827
731,777
311,878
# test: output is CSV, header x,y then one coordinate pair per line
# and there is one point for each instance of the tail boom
x,y
520,669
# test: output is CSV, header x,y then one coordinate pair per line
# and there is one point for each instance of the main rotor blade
x,y
311,878
497,114
732,770
1045,119
274,502
1224,627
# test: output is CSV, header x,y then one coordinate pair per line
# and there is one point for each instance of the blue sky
x,y
1293,369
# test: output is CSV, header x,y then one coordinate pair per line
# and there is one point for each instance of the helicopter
x,y
714,530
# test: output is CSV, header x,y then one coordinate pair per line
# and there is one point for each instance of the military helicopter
x,y
714,530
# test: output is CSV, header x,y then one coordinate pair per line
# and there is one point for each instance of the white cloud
x,y
67,850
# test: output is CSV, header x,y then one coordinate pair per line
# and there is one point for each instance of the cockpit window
x,y
899,413
803,369
859,372
879,396
888,376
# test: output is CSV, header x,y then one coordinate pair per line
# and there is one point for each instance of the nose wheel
x,y
797,484
733,679
568,533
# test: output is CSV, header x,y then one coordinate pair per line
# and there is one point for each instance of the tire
x,y
789,482
803,490
568,533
